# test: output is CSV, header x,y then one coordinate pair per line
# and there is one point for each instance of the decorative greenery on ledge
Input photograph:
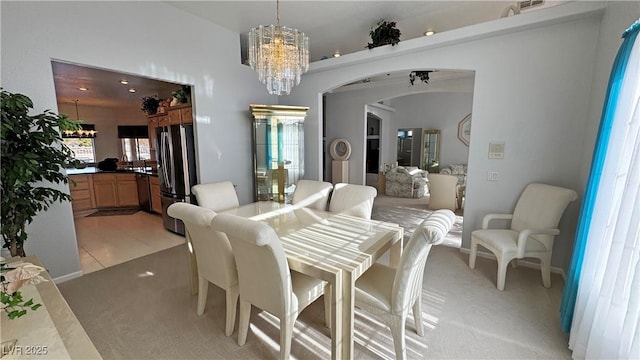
x,y
385,33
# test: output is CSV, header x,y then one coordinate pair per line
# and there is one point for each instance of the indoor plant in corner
x,y
32,156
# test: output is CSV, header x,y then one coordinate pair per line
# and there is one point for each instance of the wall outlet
x,y
493,176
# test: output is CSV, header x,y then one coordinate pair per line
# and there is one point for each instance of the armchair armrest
x,y
524,234
487,218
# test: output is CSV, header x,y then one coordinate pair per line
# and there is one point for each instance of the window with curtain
x,y
601,300
135,142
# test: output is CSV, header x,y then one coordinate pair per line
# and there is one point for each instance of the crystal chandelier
x,y
279,54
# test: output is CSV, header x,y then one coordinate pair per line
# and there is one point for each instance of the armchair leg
x,y
472,253
545,269
502,273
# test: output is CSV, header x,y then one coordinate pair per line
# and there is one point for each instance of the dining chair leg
x,y
286,332
417,316
243,324
397,331
203,288
545,269
232,302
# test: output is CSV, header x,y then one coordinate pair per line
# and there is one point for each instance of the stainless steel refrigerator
x,y
176,169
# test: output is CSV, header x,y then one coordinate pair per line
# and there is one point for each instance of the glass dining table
x,y
333,247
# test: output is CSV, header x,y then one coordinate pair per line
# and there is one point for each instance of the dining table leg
x,y
395,253
342,314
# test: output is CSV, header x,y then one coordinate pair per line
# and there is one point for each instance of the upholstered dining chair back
x,y
354,200
215,261
442,191
407,284
312,194
391,293
216,196
265,279
263,271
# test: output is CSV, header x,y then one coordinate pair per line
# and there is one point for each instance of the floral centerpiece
x,y
13,277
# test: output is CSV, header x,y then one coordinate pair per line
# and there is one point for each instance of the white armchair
x,y
390,293
534,225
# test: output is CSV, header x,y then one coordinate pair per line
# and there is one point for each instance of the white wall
x,y
441,111
156,41
532,90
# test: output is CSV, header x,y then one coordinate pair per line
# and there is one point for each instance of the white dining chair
x,y
265,279
216,196
215,260
312,194
390,292
533,228
354,200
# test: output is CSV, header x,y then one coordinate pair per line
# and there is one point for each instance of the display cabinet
x,y
278,150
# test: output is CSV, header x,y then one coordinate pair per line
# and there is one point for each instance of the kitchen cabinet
x,y
115,190
127,190
105,190
153,125
181,114
81,189
156,204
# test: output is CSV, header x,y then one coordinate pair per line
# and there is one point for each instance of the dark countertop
x,y
95,170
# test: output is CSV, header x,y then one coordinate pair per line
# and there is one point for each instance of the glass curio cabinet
x,y
278,150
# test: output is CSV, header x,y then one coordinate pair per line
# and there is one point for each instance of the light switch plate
x,y
493,176
496,150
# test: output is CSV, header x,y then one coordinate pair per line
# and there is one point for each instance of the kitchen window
x,y
136,149
83,148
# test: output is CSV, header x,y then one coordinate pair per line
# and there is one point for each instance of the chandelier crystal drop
x,y
280,55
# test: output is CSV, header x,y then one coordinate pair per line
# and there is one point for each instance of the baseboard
x,y
523,263
63,278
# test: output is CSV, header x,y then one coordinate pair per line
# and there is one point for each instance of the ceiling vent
x,y
529,4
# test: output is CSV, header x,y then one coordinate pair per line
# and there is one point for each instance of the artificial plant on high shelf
x,y
150,104
32,156
385,33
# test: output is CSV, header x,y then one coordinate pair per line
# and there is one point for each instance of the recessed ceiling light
x,y
83,88
336,54
132,90
429,32
124,82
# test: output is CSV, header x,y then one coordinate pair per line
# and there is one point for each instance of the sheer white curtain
x,y
606,321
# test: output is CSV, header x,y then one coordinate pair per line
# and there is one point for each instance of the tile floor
x,y
105,241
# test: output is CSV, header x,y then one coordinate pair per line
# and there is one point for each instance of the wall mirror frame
x,y
430,151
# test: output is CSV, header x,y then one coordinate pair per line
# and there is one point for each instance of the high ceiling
x,y
332,26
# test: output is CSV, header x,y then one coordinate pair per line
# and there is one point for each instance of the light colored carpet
x,y
142,309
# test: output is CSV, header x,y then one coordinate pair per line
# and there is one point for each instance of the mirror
x,y
431,151
409,142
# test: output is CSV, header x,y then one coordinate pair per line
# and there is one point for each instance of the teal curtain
x,y
600,152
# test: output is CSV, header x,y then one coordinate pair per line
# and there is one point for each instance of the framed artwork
x,y
464,129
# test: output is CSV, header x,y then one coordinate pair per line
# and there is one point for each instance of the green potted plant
x,y
180,95
32,157
385,33
150,104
